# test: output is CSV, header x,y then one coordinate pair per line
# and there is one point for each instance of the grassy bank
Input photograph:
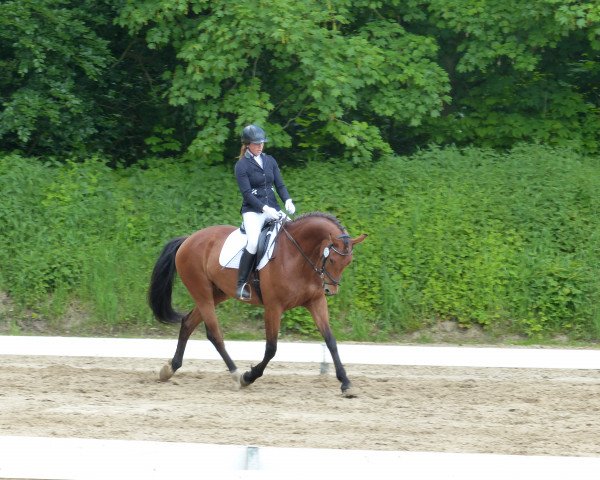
x,y
504,243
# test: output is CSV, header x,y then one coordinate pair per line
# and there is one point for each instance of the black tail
x,y
161,284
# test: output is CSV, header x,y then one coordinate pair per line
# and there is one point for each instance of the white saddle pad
x,y
231,253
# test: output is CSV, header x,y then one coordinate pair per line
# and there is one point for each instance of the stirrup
x,y
243,293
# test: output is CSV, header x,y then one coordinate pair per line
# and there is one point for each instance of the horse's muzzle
x,y
330,290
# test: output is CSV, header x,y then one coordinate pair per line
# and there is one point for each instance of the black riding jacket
x,y
256,183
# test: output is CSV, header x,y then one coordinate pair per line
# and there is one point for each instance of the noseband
x,y
322,272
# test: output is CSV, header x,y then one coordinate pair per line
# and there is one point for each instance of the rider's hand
x,y
271,213
289,206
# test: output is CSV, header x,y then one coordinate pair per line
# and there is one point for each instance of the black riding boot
x,y
246,262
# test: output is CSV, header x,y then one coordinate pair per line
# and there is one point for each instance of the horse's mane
x,y
327,216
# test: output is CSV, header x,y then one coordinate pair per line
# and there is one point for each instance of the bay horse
x,y
310,254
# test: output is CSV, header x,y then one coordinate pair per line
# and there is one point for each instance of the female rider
x,y
257,173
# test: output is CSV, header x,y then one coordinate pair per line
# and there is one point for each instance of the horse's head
x,y
332,245
336,256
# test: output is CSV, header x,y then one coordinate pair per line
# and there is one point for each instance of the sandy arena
x,y
443,409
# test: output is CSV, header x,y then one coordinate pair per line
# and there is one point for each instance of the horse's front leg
x,y
272,323
320,313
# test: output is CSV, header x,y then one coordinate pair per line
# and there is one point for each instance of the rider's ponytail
x,y
243,150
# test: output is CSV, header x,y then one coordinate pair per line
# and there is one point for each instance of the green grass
x,y
505,242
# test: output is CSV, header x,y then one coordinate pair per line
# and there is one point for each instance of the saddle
x,y
268,229
236,242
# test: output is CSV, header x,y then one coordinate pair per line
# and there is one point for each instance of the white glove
x,y
271,212
289,206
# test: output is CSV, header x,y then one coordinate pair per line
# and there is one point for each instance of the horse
x,y
310,254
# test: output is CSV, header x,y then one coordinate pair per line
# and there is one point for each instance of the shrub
x,y
505,241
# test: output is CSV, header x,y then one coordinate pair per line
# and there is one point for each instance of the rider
x,y
257,173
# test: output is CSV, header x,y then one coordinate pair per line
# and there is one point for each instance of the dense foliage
x,y
337,79
510,242
72,82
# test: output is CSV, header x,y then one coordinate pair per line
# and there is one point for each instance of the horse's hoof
x,y
166,372
350,392
238,380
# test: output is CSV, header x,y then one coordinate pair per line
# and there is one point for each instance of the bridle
x,y
322,271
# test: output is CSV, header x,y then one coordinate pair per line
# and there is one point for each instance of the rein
x,y
322,272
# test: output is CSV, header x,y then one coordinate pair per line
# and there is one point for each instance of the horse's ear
x,y
359,239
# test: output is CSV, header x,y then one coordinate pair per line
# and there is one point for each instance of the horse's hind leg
x,y
188,325
214,335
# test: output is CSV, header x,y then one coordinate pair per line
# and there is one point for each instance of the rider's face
x,y
256,148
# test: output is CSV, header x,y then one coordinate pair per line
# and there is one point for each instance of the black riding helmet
x,y
253,134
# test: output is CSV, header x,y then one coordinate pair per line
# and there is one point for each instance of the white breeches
x,y
253,223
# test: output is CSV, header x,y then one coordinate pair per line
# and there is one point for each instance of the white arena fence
x,y
366,354
72,458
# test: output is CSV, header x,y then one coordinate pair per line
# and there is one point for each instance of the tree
x,y
520,71
354,79
316,75
74,83
49,58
